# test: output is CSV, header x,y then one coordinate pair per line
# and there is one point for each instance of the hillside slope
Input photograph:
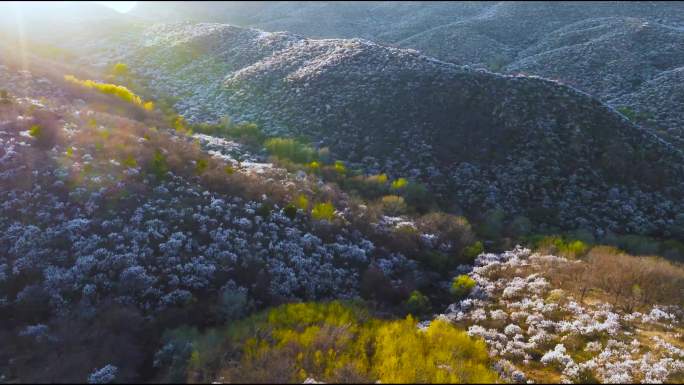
x,y
113,231
658,103
528,146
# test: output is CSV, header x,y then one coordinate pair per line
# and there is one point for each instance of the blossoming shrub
x,y
540,329
130,210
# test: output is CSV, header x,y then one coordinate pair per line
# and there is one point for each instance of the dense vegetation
x,y
140,227
330,342
146,254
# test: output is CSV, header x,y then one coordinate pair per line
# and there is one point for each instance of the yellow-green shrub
x,y
290,149
418,196
314,166
302,202
248,132
180,125
572,249
448,228
340,168
379,179
130,162
471,252
5,97
369,187
201,165
120,70
290,211
158,165
399,184
323,211
461,285
35,131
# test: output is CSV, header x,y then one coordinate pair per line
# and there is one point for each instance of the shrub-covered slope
x,y
115,227
526,145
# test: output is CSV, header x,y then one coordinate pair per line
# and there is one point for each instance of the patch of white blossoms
x,y
524,320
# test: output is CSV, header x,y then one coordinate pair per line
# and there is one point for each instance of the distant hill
x,y
613,58
608,49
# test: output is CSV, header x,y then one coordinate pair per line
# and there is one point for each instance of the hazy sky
x,y
121,6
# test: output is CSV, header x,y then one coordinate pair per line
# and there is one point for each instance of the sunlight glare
x,y
119,6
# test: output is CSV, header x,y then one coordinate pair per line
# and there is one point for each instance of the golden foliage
x,y
399,184
120,92
340,168
302,202
337,342
323,211
440,354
